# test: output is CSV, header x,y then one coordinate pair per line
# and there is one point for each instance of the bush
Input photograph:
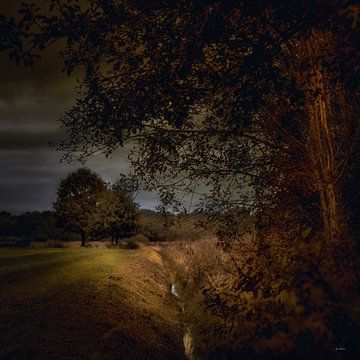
x,y
154,232
130,244
140,238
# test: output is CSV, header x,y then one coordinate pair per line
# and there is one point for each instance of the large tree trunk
x,y
322,151
323,138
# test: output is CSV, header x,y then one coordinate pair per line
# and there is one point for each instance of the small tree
x,y
78,199
125,213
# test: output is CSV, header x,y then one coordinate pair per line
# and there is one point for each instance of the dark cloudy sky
x,y
31,101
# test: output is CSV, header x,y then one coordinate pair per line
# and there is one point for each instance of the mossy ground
x,y
87,304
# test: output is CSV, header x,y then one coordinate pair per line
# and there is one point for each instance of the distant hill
x,y
159,227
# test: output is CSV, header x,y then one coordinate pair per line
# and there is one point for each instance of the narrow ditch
x,y
188,340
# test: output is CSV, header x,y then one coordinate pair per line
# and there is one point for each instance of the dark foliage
x,y
257,101
32,226
89,207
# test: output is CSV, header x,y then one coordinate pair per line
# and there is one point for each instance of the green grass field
x,y
87,304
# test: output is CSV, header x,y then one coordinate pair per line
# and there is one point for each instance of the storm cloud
x,y
31,102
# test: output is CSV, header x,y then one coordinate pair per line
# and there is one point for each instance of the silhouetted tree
x,y
79,199
88,206
115,214
124,222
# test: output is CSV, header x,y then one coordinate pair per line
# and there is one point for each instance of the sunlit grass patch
x,y
85,303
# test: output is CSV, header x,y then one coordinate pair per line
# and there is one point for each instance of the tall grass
x,y
244,302
199,266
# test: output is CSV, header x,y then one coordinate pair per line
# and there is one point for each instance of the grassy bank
x,y
87,304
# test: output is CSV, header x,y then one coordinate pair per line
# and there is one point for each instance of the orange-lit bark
x,y
322,138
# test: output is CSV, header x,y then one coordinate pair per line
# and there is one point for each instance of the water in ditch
x,y
188,340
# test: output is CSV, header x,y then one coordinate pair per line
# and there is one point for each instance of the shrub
x,y
140,238
130,244
154,232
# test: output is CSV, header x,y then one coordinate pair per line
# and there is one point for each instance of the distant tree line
x,y
32,226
